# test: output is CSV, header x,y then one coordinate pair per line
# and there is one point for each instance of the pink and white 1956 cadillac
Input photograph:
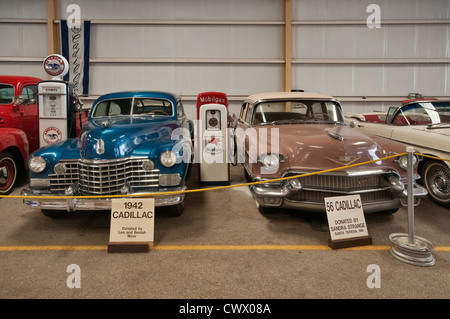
x,y
282,134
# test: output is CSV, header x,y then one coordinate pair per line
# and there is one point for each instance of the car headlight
x,y
271,161
37,164
168,158
403,161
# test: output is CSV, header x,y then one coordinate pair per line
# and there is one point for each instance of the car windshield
x,y
6,93
423,113
297,111
134,106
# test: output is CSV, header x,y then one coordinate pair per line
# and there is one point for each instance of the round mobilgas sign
x,y
52,135
56,65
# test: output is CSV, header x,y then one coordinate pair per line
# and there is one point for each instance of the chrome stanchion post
x,y
408,247
410,189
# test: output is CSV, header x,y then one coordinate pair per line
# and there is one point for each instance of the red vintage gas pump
x,y
212,140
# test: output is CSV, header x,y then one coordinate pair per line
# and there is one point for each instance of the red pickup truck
x,y
19,127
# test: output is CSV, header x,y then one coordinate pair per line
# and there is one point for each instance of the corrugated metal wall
x,y
236,46
336,52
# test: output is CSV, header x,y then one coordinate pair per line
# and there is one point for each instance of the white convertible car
x,y
423,124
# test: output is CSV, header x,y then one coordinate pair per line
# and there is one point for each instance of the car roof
x,y
129,94
287,95
13,79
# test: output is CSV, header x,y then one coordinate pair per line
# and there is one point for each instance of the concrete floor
x,y
220,248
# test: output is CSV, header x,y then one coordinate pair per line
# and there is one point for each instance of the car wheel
x,y
8,173
54,213
175,210
267,211
436,179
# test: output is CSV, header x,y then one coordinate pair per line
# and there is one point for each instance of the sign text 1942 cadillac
x,y
285,134
132,144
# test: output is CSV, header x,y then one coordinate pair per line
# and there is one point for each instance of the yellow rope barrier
x,y
434,157
225,186
212,188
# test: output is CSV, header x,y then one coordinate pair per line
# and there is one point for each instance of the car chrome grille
x,y
343,183
104,177
318,196
371,187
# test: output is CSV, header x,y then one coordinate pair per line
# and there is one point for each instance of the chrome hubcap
x,y
440,183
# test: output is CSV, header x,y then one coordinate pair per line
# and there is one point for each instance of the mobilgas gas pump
x,y
212,138
57,103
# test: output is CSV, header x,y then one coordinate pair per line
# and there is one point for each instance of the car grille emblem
x,y
100,147
344,159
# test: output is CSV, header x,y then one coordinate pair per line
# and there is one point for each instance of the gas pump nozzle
x,y
77,104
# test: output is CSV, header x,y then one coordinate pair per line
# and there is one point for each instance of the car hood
x,y
116,137
324,146
443,130
434,137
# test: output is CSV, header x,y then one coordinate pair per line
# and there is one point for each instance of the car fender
x,y
15,138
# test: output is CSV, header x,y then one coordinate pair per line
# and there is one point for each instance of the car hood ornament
x,y
335,135
106,123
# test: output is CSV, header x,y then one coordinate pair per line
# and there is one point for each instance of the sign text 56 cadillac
x,y
131,145
285,134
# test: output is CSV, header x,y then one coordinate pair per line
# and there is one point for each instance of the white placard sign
x,y
345,217
132,220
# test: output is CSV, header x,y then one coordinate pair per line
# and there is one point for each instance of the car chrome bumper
x,y
38,200
277,197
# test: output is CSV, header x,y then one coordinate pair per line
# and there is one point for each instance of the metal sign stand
x,y
407,247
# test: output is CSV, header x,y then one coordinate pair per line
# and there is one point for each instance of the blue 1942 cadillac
x,y
135,143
